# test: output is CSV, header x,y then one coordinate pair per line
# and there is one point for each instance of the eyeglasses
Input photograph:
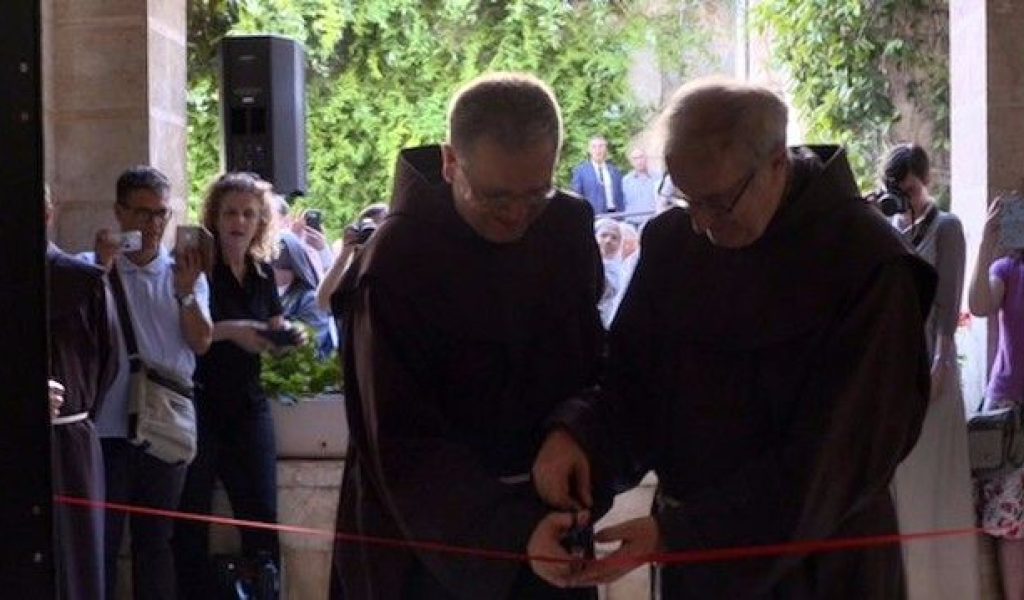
x,y
666,189
501,201
146,214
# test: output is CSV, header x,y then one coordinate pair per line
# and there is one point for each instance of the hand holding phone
x,y
281,338
314,219
195,238
1011,224
128,241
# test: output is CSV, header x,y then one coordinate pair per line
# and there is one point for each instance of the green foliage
x,y
844,56
381,72
299,373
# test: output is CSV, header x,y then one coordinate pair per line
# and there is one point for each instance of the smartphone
x,y
280,337
315,219
188,237
129,241
1011,224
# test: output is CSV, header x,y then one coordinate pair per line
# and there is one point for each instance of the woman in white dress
x,y
933,485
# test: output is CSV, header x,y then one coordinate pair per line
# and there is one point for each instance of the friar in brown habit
x,y
83,358
469,316
768,363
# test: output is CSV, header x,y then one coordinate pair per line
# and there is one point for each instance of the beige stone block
x,y
167,75
1005,67
308,498
167,149
100,68
98,9
76,224
1005,150
90,153
306,576
169,16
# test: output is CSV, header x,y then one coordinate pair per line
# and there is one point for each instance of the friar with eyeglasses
x,y
767,363
470,315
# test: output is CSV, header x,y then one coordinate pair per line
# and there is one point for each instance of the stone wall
x,y
113,96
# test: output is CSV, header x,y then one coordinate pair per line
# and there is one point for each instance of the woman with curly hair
x,y
236,429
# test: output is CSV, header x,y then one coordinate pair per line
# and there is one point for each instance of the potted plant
x,y
307,403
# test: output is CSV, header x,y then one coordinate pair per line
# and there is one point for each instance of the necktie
x,y
606,183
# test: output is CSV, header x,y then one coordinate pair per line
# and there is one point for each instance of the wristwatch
x,y
186,300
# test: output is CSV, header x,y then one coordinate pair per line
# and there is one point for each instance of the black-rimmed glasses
x,y
668,190
145,214
502,201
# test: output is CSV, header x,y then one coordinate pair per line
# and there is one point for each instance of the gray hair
x,y
725,116
516,110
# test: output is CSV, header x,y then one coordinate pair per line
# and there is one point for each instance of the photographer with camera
x,y
166,316
297,281
355,237
939,460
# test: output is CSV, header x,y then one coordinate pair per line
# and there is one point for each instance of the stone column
x,y
114,96
987,127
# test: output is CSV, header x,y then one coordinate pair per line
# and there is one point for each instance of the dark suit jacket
x,y
586,183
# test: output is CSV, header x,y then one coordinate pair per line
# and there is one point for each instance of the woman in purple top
x,y
998,288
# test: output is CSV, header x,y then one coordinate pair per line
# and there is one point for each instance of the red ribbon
x,y
664,558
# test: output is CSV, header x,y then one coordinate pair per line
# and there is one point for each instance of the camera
x,y
363,230
891,199
315,219
128,241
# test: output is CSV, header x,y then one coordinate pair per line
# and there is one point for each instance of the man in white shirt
x,y
639,189
168,304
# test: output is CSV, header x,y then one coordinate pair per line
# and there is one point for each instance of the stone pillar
x,y
114,96
987,133
987,127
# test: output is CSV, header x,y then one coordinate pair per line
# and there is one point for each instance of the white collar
x,y
153,267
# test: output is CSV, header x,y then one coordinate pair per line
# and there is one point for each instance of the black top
x,y
227,372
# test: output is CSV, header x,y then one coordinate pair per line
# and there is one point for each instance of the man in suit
x,y
599,181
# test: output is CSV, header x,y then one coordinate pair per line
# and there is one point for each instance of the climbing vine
x,y
850,60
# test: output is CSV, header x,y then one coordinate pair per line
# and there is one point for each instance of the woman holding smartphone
x,y
997,290
236,429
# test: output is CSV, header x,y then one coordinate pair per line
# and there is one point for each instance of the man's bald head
x,y
718,117
725,148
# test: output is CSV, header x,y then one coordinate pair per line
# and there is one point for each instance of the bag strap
x,y
124,315
922,227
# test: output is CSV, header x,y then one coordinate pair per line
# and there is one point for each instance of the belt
x,y
69,419
515,479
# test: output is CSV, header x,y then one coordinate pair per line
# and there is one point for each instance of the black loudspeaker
x,y
263,101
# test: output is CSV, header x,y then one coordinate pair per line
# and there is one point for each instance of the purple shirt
x,y
1007,382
